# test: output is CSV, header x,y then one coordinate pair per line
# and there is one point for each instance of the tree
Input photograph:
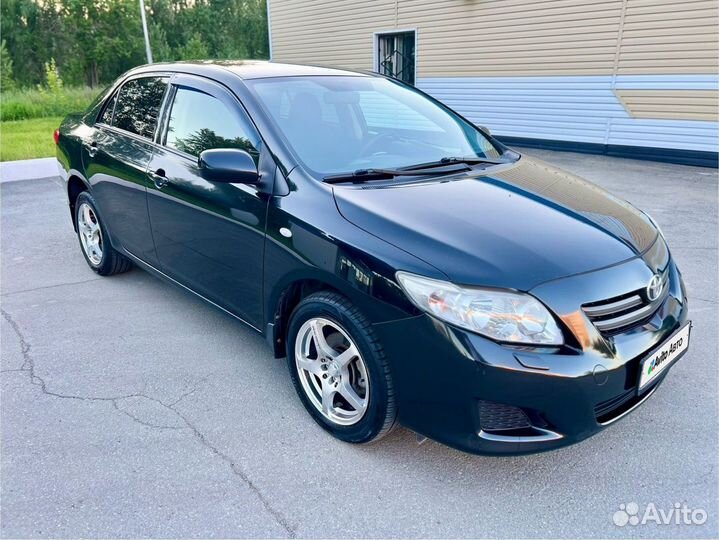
x,y
53,81
94,41
22,24
7,82
106,39
195,49
161,51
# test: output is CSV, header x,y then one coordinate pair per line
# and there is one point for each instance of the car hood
x,y
515,226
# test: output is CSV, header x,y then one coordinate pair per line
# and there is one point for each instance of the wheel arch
x,y
284,300
75,186
376,298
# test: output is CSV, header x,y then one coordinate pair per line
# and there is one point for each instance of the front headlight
x,y
500,315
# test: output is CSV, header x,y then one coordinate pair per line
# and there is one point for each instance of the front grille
x,y
622,313
497,417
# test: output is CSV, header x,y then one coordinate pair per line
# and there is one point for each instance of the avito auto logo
x,y
659,360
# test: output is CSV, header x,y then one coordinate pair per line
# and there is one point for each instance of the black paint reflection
x,y
201,122
205,139
138,105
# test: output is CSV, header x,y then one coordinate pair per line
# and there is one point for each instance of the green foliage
x,y
27,103
28,138
7,82
161,51
194,49
94,41
53,82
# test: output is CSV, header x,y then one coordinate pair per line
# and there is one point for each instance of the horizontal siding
x,y
506,37
580,109
666,82
686,104
567,108
680,134
329,32
624,72
669,36
537,107
491,37
495,38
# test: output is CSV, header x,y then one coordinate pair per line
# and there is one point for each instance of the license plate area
x,y
663,357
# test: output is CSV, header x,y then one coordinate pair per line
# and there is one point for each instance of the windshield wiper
x,y
365,175
469,160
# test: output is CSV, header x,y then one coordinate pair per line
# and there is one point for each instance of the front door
x,y
208,236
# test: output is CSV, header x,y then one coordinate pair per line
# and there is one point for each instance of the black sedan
x,y
410,267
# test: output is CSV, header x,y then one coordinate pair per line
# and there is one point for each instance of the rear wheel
x,y
339,369
99,253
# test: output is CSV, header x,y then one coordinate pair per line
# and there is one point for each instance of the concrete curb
x,y
28,169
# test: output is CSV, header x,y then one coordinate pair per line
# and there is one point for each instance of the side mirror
x,y
485,130
228,165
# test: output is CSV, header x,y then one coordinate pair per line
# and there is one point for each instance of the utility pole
x,y
148,51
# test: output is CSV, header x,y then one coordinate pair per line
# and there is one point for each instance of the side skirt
x,y
158,273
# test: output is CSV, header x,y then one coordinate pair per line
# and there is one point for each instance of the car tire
x,y
95,245
360,417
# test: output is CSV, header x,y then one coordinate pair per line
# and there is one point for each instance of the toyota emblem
x,y
654,289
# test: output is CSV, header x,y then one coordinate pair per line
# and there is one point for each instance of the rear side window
x,y
138,105
200,122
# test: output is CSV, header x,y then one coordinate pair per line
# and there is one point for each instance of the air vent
x,y
499,417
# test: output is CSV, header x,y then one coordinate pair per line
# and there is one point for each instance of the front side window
x,y
138,105
199,121
337,124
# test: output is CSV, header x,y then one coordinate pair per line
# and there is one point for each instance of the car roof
x,y
251,69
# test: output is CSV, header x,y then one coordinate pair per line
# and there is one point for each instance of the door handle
x,y
158,178
91,148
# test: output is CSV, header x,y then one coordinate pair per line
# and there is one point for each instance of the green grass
x,y
27,139
23,104
28,118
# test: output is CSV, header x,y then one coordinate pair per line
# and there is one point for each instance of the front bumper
x,y
444,375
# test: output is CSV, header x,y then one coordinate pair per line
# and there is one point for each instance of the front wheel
x,y
339,369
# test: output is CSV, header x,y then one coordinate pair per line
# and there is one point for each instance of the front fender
x,y
301,257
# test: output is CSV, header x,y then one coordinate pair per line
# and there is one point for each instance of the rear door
x,y
209,236
116,157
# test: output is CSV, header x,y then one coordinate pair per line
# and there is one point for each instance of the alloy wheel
x,y
90,233
332,372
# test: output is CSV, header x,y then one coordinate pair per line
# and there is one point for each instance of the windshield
x,y
343,123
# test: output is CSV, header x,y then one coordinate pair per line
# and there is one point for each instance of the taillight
x,y
56,136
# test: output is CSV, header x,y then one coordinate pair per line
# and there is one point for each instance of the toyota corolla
x,y
410,267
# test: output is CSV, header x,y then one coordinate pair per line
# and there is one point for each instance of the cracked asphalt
x,y
131,409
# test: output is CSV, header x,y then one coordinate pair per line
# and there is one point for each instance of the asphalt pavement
x,y
129,408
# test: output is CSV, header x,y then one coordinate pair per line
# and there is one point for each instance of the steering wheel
x,y
375,144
